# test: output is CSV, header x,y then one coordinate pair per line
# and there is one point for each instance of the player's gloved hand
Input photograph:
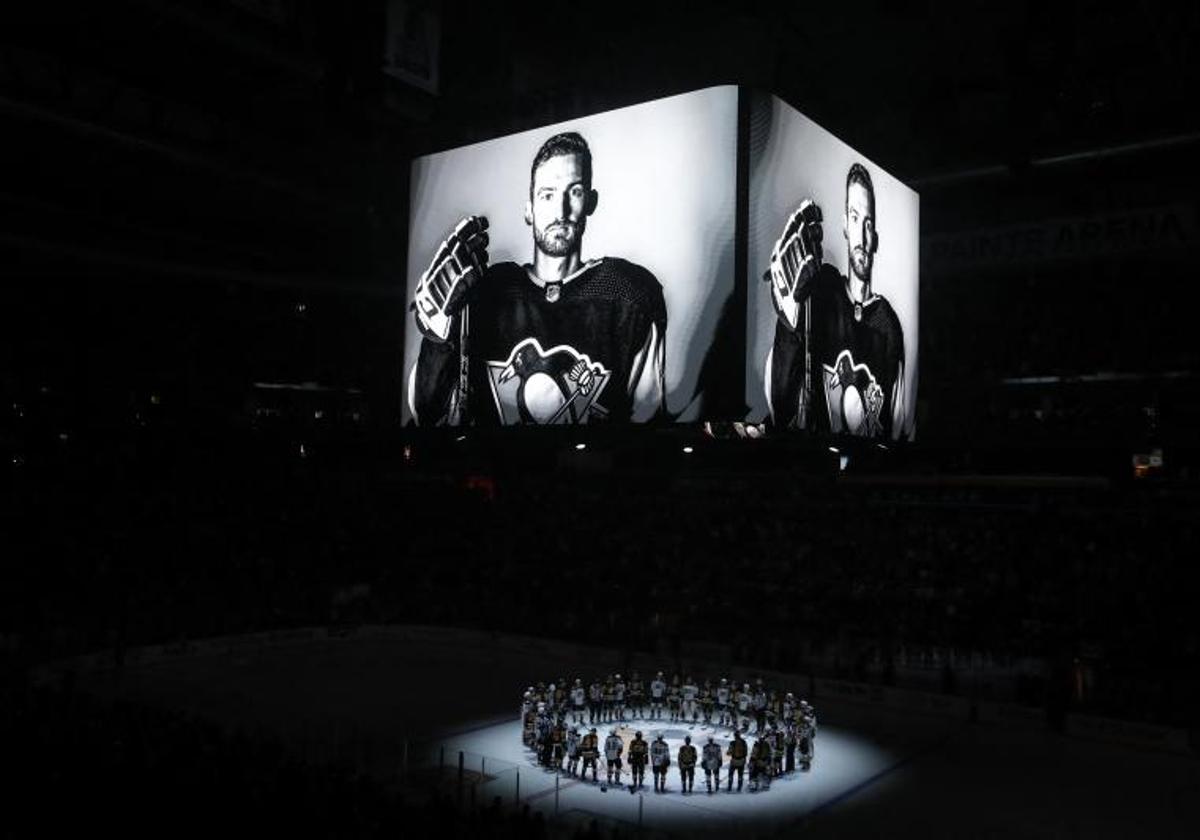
x,y
795,262
455,269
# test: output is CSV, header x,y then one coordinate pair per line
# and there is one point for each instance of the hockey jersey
x,y
565,353
841,370
613,747
660,754
687,756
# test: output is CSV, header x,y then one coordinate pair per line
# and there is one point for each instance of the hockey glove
x,y
795,261
456,268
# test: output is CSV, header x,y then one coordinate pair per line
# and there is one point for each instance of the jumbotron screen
x,y
613,269
575,273
832,306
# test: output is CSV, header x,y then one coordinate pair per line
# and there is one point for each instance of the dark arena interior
x,y
244,592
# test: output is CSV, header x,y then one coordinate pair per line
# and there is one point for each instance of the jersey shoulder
x,y
886,320
621,280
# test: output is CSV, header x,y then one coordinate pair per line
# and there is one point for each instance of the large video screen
x,y
578,273
832,306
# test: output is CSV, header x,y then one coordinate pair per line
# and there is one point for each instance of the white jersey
x,y
619,692
689,692
712,757
723,696
613,745
572,744
578,695
657,689
660,754
743,701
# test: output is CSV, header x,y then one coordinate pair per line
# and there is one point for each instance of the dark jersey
x,y
851,369
565,353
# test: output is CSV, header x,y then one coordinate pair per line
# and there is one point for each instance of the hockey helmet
x,y
687,739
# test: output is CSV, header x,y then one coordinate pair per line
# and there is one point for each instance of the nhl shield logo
x,y
853,397
547,387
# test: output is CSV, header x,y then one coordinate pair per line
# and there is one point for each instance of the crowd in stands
x,y
1056,596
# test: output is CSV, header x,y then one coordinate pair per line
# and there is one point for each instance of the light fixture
x,y
687,450
580,446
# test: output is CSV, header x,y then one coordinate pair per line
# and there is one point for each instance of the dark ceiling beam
x,y
210,27
67,122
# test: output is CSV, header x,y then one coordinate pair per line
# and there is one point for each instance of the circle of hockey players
x,y
740,735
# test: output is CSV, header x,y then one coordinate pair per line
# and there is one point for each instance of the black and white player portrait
x,y
841,359
519,320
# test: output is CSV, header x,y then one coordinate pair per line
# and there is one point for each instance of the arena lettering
x,y
1071,238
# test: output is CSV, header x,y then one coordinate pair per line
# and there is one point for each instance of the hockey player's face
x,y
860,230
559,205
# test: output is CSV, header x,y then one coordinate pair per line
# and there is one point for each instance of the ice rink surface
x,y
842,762
878,773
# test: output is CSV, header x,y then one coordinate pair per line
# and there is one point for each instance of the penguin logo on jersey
x,y
853,397
547,387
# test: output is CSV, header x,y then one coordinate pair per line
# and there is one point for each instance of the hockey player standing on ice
x,y
573,751
723,700
560,340
528,718
660,760
619,698
737,758
743,700
658,690
558,740
706,702
637,696
711,762
778,747
608,698
589,748
837,363
639,752
806,734
760,761
673,698
789,745
613,747
595,701
810,715
688,693
687,765
578,698
759,703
